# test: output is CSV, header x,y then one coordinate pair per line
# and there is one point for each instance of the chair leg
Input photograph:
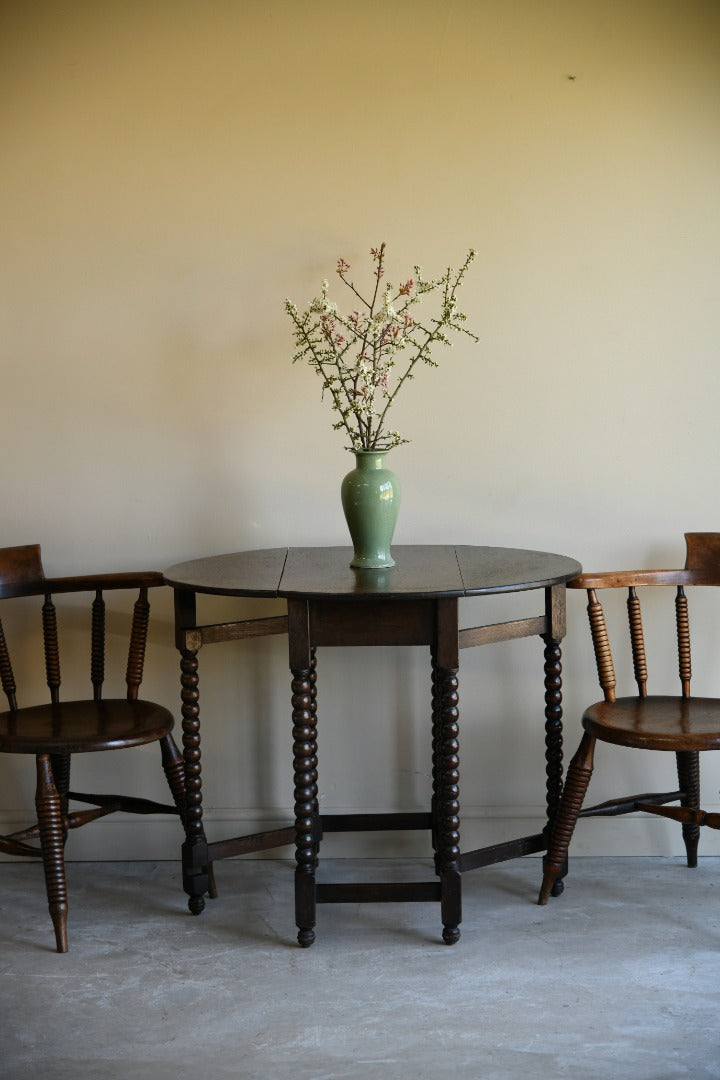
x,y
60,765
174,768
576,785
688,769
50,824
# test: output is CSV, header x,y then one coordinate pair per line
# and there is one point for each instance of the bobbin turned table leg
x,y
196,879
197,871
305,770
304,720
555,615
317,830
447,813
434,761
446,768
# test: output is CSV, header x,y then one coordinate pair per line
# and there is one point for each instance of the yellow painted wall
x,y
171,170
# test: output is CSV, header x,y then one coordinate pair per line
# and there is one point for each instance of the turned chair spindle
x,y
97,645
683,637
52,651
603,654
637,640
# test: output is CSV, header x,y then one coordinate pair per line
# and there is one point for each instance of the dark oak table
x,y
330,604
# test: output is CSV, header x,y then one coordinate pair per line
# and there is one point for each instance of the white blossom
x,y
355,354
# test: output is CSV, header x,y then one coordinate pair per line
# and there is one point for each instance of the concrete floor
x,y
618,978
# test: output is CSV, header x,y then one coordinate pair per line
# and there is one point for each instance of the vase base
x,y
367,562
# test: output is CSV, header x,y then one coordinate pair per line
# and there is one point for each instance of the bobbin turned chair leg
x,y
174,768
688,769
50,827
576,785
60,765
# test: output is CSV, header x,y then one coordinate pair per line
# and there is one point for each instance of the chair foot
x,y
691,839
551,886
691,848
305,938
451,934
548,884
59,914
553,883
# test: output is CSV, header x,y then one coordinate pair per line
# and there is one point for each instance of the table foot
x,y
196,880
451,934
305,938
196,905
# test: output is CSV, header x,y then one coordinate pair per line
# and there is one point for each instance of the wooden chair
x,y
682,723
55,731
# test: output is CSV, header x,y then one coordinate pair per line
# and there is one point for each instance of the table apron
x,y
401,622
373,622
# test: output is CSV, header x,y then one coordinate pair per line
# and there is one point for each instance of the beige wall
x,y
172,170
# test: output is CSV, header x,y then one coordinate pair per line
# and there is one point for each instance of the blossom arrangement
x,y
366,356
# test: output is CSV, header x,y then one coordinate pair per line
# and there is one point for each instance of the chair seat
x,y
80,726
657,723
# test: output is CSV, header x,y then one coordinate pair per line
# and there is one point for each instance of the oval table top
x,y
420,571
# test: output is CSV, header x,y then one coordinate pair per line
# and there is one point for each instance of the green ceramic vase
x,y
371,498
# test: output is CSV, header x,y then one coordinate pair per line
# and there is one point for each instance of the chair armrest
x,y
613,579
132,579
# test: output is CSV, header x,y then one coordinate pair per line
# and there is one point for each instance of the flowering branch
x,y
359,356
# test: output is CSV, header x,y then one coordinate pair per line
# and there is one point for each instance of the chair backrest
x,y
702,567
703,551
21,574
